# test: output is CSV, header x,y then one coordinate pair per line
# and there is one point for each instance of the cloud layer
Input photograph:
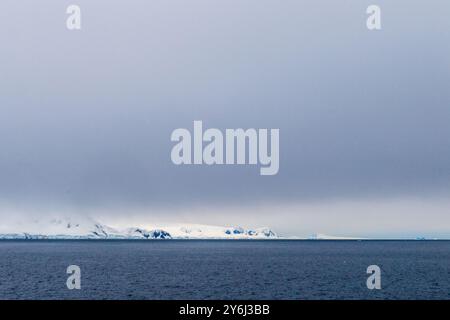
x,y
86,116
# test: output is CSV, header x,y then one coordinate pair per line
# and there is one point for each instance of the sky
x,y
86,116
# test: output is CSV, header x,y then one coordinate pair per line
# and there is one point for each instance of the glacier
x,y
86,228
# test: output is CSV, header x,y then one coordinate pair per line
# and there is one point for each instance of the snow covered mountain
x,y
321,236
85,228
214,232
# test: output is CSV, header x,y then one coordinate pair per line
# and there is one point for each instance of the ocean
x,y
229,269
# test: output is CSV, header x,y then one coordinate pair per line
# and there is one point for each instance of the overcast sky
x,y
364,116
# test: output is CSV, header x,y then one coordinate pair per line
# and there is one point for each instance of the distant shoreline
x,y
221,240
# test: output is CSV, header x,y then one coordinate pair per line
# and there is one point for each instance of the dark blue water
x,y
224,269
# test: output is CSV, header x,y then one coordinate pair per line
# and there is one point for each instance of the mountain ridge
x,y
85,228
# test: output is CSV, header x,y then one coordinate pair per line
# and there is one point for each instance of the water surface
x,y
173,269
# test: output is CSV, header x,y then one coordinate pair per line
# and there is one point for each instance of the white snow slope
x,y
321,236
84,228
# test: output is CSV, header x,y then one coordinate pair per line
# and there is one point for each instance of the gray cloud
x,y
86,117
